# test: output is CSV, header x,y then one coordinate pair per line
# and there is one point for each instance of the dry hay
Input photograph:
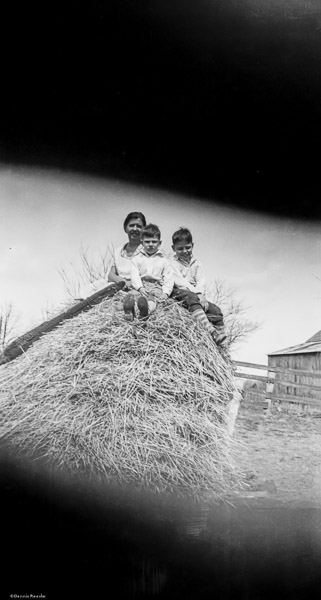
x,y
127,404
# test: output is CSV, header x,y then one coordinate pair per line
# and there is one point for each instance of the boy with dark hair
x,y
190,285
151,276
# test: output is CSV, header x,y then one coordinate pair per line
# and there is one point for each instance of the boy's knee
x,y
189,299
214,310
193,301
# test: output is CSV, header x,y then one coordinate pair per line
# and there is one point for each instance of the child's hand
x,y
127,284
163,297
143,292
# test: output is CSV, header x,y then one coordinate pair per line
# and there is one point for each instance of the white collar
x,y
123,250
157,253
184,263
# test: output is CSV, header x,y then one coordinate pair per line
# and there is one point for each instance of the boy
x,y
190,284
151,276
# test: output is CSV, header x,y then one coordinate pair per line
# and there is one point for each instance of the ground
x,y
266,545
281,454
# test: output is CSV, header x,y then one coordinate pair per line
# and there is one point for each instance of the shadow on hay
x,y
66,539
70,536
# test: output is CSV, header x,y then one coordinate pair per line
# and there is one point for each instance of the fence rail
x,y
297,399
256,377
282,398
271,379
239,363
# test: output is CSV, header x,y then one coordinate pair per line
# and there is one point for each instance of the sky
x,y
273,264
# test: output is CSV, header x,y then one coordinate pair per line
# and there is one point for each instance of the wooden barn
x,y
297,372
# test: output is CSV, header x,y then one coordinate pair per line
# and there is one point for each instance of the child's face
x,y
151,244
134,229
183,250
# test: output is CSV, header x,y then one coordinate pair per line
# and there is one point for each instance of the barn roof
x,y
316,337
312,345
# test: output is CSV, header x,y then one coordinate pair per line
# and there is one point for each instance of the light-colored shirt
x,y
155,267
190,275
121,262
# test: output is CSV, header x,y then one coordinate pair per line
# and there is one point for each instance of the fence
x,y
270,379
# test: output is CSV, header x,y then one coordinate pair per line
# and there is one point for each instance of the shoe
x,y
129,308
219,336
142,307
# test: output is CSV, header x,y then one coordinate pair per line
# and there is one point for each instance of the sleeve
x,y
135,275
113,262
168,278
200,280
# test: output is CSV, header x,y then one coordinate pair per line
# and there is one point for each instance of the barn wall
x,y
308,362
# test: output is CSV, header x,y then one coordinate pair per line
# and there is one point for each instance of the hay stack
x,y
145,407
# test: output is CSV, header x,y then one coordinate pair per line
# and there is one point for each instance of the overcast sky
x,y
274,264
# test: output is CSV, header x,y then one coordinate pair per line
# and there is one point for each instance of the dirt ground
x,y
281,455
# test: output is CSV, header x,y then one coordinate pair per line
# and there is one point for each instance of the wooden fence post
x,y
269,390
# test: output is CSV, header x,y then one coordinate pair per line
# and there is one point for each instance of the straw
x,y
131,405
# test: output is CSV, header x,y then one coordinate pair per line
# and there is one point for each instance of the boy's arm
x,y
200,280
168,278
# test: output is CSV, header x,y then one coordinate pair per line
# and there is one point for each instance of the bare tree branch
x,y
237,324
92,268
8,325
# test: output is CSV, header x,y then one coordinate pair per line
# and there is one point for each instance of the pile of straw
x,y
127,404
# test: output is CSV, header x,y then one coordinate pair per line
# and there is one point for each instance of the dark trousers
x,y
191,301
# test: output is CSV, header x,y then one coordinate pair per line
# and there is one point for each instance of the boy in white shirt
x,y
190,284
151,276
